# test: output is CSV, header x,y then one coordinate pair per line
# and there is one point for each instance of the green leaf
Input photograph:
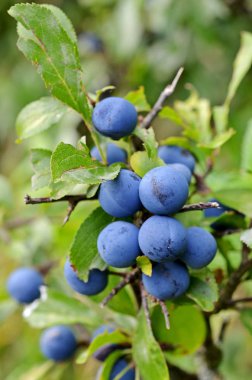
x,y
220,117
246,237
149,140
241,66
147,353
246,318
170,114
219,140
57,308
40,159
47,40
203,289
238,198
84,254
76,166
138,99
183,335
141,163
247,148
229,221
38,116
144,263
115,337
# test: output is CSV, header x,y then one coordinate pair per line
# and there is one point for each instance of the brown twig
x,y
130,277
144,297
200,206
146,123
67,198
240,300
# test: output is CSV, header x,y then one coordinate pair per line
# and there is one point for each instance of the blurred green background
x,y
126,43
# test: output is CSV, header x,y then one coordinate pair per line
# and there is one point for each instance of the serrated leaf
x,y
77,167
203,289
147,353
246,237
40,159
138,99
142,164
57,308
246,318
183,336
115,337
247,148
144,263
84,253
38,116
47,41
218,140
149,140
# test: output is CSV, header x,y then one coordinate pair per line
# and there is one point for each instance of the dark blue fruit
x,y
23,284
201,248
162,238
118,367
102,353
118,244
163,190
168,280
97,280
181,168
176,155
113,152
58,343
120,197
114,117
215,212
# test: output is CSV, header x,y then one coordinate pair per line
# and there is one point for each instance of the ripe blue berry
x,y
23,285
97,280
201,248
176,155
181,168
114,117
114,154
58,343
168,280
120,197
119,367
215,212
162,238
163,190
118,244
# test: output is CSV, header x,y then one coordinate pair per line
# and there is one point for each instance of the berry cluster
x,y
155,198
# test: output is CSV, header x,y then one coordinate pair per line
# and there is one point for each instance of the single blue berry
x,y
176,155
114,154
23,284
118,367
58,343
181,168
114,117
97,280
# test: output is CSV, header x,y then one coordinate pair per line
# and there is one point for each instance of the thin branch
x,y
130,277
113,273
200,206
146,123
71,206
240,300
28,200
164,309
145,306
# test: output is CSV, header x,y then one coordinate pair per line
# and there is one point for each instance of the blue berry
x,y
215,212
23,285
162,238
97,280
168,280
176,155
181,168
119,367
120,197
118,244
114,117
114,154
163,190
201,248
58,343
